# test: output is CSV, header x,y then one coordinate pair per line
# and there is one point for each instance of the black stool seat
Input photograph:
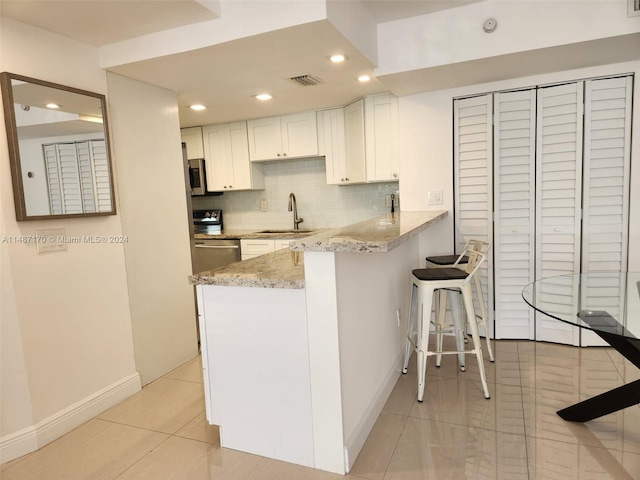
x,y
447,273
447,259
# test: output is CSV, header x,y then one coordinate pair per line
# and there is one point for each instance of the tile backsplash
x,y
319,204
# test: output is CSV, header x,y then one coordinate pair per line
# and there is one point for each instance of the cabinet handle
x,y
230,186
277,154
225,186
347,179
284,154
395,175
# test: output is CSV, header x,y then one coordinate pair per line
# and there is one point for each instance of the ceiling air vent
x,y
306,80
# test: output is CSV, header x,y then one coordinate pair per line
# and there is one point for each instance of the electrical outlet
x,y
50,240
263,205
435,197
387,199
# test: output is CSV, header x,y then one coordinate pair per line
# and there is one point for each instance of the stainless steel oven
x,y
210,252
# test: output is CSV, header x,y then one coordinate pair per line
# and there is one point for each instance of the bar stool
x,y
440,261
424,283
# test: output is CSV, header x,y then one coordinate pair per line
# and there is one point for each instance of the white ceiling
x,y
226,76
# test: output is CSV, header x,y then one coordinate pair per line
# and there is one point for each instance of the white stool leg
x,y
411,322
483,316
458,324
440,315
424,322
467,298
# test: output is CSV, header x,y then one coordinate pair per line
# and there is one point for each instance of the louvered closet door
x,y
558,196
607,140
473,174
514,203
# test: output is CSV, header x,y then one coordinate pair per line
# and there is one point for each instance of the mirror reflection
x,y
58,143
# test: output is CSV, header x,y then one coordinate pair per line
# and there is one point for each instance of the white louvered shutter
x,y
473,180
514,204
558,196
607,141
102,175
85,170
53,178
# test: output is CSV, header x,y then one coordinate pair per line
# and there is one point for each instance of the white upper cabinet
x,y
381,137
227,159
342,169
193,138
276,138
354,159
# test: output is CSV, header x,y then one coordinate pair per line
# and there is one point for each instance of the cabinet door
x,y
558,196
265,139
281,243
332,123
514,204
250,248
381,136
193,138
216,160
238,156
299,135
355,167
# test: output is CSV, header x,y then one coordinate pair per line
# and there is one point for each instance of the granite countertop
x,y
381,234
277,269
271,270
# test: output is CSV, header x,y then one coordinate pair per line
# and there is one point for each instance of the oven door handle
x,y
234,247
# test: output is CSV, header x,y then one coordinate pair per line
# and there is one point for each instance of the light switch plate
x,y
263,205
50,240
435,197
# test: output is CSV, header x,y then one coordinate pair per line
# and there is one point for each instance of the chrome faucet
x,y
293,207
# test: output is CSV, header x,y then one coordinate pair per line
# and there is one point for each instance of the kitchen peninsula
x,y
302,348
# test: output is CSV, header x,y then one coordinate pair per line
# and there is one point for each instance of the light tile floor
x,y
161,432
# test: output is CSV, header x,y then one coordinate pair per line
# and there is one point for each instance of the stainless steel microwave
x,y
197,177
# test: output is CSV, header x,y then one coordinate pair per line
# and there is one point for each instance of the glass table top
x,y
608,302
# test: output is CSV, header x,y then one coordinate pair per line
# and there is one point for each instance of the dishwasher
x,y
214,253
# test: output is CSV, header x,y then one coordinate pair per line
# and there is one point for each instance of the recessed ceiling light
x,y
364,78
338,57
197,107
53,105
264,96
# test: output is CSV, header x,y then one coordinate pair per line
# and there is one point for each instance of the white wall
x,y
426,139
151,182
66,328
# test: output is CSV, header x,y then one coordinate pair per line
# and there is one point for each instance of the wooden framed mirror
x,y
58,140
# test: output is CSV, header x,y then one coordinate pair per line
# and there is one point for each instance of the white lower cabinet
x,y
227,162
255,247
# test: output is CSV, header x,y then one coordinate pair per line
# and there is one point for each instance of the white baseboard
x,y
356,441
37,436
